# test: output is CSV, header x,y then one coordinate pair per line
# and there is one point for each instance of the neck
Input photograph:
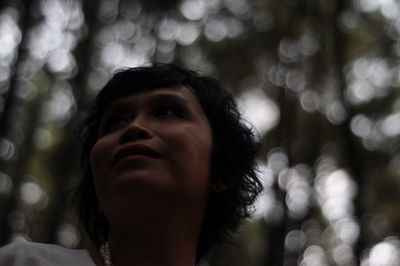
x,y
157,239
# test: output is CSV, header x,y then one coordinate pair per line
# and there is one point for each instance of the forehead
x,y
177,93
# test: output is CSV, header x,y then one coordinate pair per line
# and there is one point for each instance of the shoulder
x,y
22,252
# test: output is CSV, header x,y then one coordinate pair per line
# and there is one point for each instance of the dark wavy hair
x,y
233,154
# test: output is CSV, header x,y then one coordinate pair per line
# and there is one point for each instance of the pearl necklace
x,y
105,252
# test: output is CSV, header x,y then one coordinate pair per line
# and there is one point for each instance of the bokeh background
x,y
319,79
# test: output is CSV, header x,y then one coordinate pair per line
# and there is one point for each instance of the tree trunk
x,y
8,117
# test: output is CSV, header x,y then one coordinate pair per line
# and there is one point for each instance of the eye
x,y
114,122
169,111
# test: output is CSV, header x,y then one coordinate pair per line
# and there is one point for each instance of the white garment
x,y
23,253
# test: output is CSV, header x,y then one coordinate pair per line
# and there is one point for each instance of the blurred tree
x,y
9,112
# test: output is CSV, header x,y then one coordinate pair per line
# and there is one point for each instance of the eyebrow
x,y
169,97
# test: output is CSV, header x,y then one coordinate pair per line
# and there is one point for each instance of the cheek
x,y
192,150
202,147
98,159
189,142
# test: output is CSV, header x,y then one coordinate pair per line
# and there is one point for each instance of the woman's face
x,y
154,145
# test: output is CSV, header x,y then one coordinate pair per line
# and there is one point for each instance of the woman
x,y
169,168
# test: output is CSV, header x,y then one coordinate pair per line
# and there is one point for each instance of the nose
x,y
136,130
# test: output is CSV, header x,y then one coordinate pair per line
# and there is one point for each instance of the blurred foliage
x,y
318,79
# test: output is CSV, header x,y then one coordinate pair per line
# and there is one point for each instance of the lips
x,y
135,149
